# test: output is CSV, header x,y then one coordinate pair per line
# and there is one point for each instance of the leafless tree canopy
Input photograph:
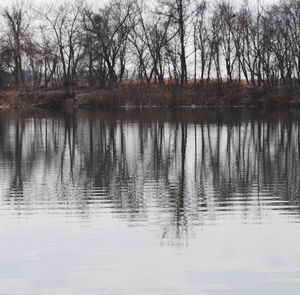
x,y
173,41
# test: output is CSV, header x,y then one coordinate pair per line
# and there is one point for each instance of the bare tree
x,y
180,12
17,22
111,27
64,25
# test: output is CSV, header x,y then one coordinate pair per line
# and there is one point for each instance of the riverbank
x,y
172,96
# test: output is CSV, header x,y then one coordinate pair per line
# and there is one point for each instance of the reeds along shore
x,y
152,95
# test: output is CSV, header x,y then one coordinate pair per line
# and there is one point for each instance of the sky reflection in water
x,y
149,202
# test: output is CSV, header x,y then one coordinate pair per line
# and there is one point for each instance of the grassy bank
x,y
132,95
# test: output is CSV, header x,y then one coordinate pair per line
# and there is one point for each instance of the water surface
x,y
149,202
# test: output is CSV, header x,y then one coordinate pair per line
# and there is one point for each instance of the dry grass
x,y
15,98
204,95
152,95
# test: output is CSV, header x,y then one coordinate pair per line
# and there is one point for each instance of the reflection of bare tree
x,y
175,169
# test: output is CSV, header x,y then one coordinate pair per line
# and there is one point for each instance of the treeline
x,y
170,41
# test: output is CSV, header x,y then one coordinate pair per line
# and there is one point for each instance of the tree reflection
x,y
173,169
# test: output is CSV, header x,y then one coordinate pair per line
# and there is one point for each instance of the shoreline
x,y
189,96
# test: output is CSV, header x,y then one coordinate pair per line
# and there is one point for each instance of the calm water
x,y
150,202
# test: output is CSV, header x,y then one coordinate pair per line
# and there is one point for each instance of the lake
x,y
150,202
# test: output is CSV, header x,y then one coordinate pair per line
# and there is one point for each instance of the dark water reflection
x,y
213,194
